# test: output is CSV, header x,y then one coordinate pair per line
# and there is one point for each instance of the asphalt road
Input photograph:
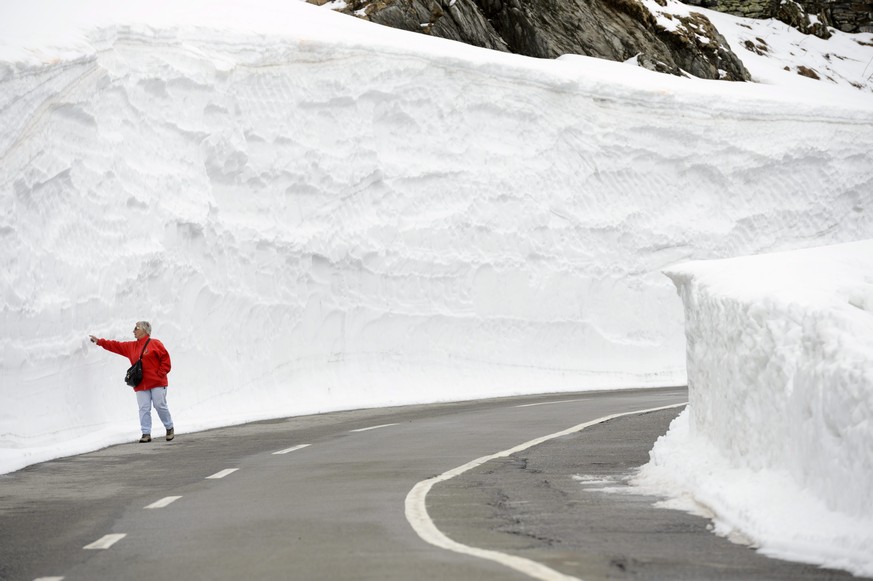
x,y
323,497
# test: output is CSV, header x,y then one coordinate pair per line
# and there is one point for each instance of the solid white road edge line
x,y
291,449
223,473
416,507
530,405
167,500
105,542
372,428
49,579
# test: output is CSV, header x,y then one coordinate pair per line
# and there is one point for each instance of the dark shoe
x,y
170,434
145,438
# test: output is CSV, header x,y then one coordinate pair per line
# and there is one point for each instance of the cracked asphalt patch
x,y
547,504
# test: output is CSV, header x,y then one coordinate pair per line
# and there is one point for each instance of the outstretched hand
x,y
93,338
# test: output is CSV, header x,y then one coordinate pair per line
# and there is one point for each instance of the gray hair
x,y
145,326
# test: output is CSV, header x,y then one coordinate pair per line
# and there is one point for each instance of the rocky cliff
x,y
617,30
612,29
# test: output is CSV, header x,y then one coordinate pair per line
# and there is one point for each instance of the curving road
x,y
325,497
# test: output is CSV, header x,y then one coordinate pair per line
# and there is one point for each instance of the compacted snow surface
x,y
317,213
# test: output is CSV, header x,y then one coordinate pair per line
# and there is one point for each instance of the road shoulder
x,y
567,505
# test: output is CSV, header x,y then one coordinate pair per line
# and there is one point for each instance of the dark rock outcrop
x,y
845,15
617,30
793,14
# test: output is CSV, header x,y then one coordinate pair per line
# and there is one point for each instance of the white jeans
x,y
145,399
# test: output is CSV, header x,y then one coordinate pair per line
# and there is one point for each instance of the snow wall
x,y
778,438
313,224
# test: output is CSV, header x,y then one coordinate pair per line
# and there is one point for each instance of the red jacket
x,y
155,361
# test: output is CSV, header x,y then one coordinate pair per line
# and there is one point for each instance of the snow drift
x,y
316,213
777,441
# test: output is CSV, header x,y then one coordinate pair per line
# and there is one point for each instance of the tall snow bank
x,y
777,441
319,213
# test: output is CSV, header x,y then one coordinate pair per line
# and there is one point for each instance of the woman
x,y
152,390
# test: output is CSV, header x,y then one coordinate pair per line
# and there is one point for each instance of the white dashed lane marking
x,y
167,500
291,449
222,474
49,579
372,428
105,542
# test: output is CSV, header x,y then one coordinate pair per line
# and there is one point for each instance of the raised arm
x,y
120,347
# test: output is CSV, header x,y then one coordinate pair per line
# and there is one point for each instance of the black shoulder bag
x,y
134,374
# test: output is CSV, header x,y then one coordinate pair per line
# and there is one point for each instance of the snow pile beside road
x,y
318,213
777,442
